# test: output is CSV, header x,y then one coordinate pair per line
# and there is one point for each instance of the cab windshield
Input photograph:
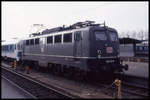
x,y
113,36
100,36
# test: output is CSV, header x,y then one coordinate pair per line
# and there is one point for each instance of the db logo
x,y
109,49
42,49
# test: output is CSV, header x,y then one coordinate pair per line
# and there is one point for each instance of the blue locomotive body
x,y
88,48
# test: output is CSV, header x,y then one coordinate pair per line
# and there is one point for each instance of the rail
x,y
134,85
130,86
37,89
135,59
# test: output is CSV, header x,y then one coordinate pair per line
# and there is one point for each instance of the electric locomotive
x,y
82,47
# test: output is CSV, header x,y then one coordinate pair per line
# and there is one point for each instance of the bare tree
x,y
141,34
121,35
128,34
134,34
146,35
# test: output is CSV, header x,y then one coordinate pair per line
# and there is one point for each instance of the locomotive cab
x,y
105,49
106,43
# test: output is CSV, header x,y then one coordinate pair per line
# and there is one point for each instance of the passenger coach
x,y
12,50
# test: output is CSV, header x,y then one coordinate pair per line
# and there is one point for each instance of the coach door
x,y
42,45
42,57
77,44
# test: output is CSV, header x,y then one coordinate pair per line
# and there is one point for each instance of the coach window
x,y
137,48
58,39
27,42
49,39
32,42
100,36
2,48
15,46
141,48
145,48
67,37
18,46
10,48
5,48
37,41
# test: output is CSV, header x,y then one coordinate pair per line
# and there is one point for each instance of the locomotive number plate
x,y
109,49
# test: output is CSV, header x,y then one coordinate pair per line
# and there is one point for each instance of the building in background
x,y
130,47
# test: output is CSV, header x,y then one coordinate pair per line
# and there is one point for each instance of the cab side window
x,y
58,38
49,39
67,37
36,41
32,42
27,42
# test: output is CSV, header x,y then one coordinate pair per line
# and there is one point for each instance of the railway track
x,y
136,59
136,85
63,83
127,91
37,89
15,85
137,90
131,87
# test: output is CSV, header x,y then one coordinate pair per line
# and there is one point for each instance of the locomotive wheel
x,y
84,74
60,69
53,70
69,72
74,72
57,69
50,68
65,71
37,67
77,74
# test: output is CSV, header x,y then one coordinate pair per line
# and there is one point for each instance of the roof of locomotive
x,y
71,31
58,33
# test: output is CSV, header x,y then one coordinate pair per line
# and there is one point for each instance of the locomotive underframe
x,y
109,65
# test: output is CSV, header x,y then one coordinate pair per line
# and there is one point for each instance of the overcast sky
x,y
18,17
